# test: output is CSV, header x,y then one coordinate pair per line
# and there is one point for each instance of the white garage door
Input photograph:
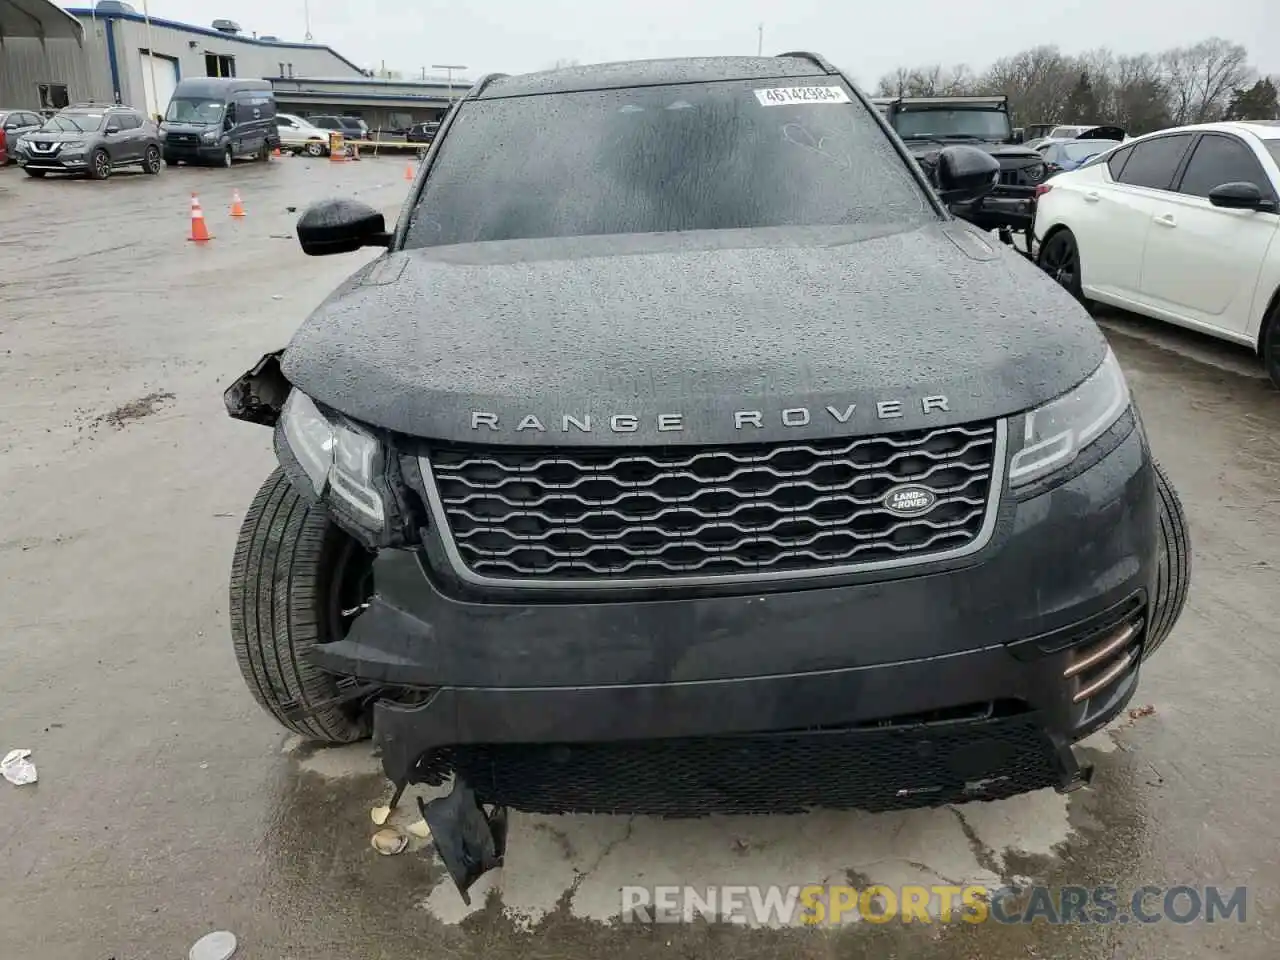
x,y
166,79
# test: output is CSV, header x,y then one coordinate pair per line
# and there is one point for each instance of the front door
x,y
1202,262
120,139
1124,198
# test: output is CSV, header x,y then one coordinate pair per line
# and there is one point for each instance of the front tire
x,y
293,575
1060,258
227,158
99,165
1269,344
315,148
1173,567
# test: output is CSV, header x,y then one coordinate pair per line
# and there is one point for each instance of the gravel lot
x,y
168,805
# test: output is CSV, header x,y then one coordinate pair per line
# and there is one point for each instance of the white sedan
x,y
1181,225
301,136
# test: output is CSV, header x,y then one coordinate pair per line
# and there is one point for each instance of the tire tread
x,y
279,578
1173,576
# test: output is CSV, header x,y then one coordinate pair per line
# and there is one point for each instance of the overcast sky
x,y
866,37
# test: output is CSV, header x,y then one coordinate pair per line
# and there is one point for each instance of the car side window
x,y
1220,159
1154,162
1116,162
130,121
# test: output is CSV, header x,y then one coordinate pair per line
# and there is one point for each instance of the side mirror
x,y
341,226
965,173
1019,136
1240,195
113,128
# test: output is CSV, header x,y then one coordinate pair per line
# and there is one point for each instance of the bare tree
x,y
893,84
1200,79
1140,93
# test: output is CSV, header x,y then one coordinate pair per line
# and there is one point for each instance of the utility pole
x,y
760,41
448,68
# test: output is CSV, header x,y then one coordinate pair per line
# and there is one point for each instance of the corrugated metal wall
x,y
252,61
86,71
25,64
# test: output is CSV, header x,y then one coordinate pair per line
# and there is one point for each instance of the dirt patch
x,y
123,415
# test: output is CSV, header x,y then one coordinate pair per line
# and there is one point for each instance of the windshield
x,y
1084,149
713,156
73,122
1061,133
959,122
193,110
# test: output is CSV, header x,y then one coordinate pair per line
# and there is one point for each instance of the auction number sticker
x,y
785,96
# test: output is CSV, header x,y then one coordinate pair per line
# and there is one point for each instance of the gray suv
x,y
92,139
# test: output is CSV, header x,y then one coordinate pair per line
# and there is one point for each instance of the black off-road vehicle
x,y
929,124
684,454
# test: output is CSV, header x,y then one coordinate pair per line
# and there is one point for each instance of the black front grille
x,y
712,511
863,769
183,139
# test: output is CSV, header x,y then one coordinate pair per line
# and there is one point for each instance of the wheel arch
x,y
1060,227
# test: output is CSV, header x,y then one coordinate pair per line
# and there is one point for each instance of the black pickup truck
x,y
929,124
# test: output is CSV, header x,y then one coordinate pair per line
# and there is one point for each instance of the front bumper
x,y
1008,207
935,687
62,162
192,152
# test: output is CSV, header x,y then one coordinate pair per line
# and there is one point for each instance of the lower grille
x,y
863,769
753,509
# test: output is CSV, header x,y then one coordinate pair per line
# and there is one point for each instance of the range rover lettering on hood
x,y
674,422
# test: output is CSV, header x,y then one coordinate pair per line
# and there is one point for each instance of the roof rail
x,y
817,58
477,88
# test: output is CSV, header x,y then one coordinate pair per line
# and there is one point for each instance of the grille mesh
x,y
583,514
867,769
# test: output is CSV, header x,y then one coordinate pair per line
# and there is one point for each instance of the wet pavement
x,y
168,805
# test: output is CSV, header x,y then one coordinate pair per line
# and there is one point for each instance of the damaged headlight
x,y
1053,435
336,454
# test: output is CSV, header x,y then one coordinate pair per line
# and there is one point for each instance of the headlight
x,y
22,143
209,137
1055,434
335,454
1036,171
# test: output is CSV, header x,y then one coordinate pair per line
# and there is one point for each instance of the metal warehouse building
x,y
50,57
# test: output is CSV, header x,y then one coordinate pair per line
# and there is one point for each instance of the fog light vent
x,y
1097,665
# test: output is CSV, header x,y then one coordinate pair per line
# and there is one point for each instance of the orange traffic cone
x,y
237,207
408,171
199,230
276,152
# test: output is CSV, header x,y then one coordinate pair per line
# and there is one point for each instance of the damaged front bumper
x,y
959,683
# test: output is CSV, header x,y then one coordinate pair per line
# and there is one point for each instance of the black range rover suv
x,y
681,454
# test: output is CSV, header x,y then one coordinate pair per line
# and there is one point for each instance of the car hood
x,y
59,137
1006,152
833,331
